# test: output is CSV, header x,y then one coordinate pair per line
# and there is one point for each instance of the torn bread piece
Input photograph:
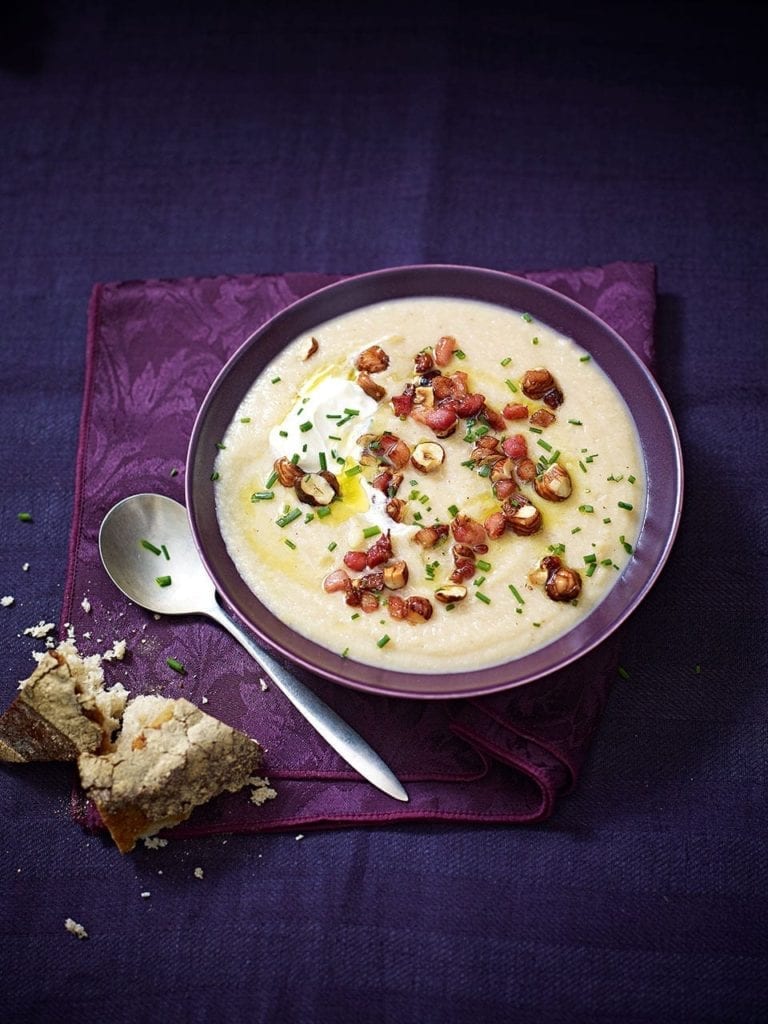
x,y
169,758
62,709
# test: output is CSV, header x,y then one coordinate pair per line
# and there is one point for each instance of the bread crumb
x,y
39,631
145,895
198,872
6,602
263,685
116,651
261,790
75,929
203,700
25,567
85,604
299,836
154,842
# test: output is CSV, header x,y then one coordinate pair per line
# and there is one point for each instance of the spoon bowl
x,y
149,553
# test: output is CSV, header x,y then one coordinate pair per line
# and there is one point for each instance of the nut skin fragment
x,y
372,360
427,456
554,484
312,347
563,583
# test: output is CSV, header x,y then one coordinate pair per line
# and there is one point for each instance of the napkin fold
x,y
153,349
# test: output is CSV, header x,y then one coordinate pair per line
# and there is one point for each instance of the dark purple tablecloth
x,y
170,141
153,350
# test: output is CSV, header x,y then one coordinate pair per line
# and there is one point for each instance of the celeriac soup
x,y
429,484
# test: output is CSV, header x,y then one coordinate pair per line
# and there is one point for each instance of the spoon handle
x,y
339,735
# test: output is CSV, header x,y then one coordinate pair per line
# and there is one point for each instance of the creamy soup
x,y
433,485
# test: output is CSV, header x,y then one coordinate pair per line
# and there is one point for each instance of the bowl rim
x,y
663,466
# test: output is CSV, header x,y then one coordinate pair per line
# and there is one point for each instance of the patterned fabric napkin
x,y
153,349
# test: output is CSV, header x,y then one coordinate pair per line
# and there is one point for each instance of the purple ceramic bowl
x,y
655,426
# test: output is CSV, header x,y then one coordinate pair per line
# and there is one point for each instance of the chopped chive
x,y
424,499
625,544
607,520
245,419
606,561
371,531
576,423
288,517
576,529
516,594
262,496
557,549
275,380
534,341
295,458
150,547
625,505
345,653
283,433
215,476
453,510
220,445
535,430
271,482
506,361
482,565
353,471
484,471
544,444
304,427
460,354
334,437
323,511
536,624
323,462
584,359
309,517
479,581
176,666
163,581
164,549
591,568
289,543
554,457
383,641
583,467
511,385
483,597
586,508
332,546
631,478
527,317
590,559
622,672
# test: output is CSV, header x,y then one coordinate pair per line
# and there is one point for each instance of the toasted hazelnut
x,y
372,359
288,473
428,456
314,489
370,387
396,509
523,517
525,469
428,536
554,483
424,396
395,575
418,609
502,469
451,593
536,383
423,362
563,583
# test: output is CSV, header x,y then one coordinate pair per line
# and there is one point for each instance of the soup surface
x,y
433,485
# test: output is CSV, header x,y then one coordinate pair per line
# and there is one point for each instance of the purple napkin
x,y
154,348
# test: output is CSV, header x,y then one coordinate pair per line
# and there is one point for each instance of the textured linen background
x,y
153,350
177,140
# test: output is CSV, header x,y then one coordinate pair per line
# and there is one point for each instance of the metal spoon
x,y
134,570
